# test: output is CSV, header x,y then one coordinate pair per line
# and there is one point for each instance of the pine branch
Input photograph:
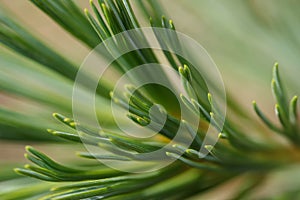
x,y
192,172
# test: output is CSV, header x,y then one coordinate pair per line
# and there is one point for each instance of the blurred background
x,y
244,38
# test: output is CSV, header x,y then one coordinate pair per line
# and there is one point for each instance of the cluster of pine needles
x,y
235,154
